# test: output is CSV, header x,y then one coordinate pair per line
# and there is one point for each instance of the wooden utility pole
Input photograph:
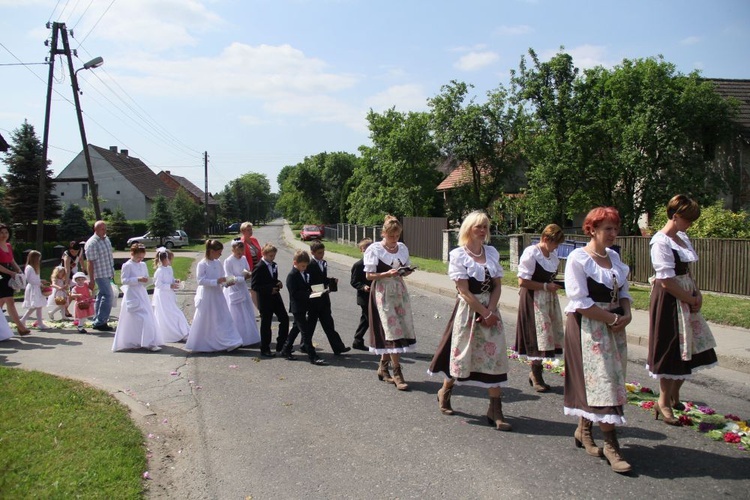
x,y
205,193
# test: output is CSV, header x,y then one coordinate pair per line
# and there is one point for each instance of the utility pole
x,y
59,31
205,193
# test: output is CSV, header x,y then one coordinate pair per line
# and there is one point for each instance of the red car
x,y
310,232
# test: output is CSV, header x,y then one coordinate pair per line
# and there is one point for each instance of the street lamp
x,y
94,63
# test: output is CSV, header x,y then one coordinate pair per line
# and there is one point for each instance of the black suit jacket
x,y
263,282
318,277
359,281
299,292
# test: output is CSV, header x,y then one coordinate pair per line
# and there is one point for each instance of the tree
x,y
397,174
483,136
160,221
4,213
24,161
73,225
246,198
187,214
118,228
715,222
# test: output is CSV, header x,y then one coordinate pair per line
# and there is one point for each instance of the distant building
x,y
122,181
4,146
199,196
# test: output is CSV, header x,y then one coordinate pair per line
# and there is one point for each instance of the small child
x,y
33,299
266,284
81,293
136,327
212,329
298,286
238,298
58,300
360,282
169,319
320,307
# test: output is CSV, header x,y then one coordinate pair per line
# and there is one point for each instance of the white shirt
x,y
662,257
377,251
533,254
462,267
580,266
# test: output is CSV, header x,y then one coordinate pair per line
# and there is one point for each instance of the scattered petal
x,y
175,373
150,436
165,421
146,475
232,366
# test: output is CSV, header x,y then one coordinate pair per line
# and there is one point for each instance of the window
x,y
84,190
118,192
62,194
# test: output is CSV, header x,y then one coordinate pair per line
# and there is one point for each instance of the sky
x,y
262,84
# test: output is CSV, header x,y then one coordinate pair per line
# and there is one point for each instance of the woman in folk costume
x,y
212,328
136,327
473,349
391,324
170,321
596,347
238,296
539,327
680,341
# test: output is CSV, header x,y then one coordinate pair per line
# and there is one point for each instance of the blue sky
x,y
263,84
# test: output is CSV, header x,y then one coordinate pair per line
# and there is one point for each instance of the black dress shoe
x,y
360,347
267,354
288,356
318,362
103,328
342,351
303,349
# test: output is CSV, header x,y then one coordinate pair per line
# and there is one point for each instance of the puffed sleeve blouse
x,y
377,252
462,267
662,254
533,255
581,266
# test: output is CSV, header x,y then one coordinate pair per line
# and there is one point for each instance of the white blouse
x,y
377,251
132,271
533,254
164,278
662,257
580,266
462,267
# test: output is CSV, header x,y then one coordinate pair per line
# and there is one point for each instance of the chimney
x,y
124,152
168,172
113,149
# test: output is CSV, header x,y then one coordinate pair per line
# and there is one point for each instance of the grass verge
x,y
62,439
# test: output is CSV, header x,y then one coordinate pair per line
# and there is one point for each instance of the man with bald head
x,y
101,268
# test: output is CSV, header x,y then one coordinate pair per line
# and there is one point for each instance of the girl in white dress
x,y
33,299
238,296
5,331
170,321
58,299
136,327
212,328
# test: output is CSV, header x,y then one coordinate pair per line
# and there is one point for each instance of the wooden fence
x,y
723,265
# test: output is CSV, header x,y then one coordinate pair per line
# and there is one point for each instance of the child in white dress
x,y
33,299
212,329
58,300
170,321
238,296
136,327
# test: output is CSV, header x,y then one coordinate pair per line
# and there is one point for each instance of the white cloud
x,y
691,40
517,30
476,60
584,56
404,98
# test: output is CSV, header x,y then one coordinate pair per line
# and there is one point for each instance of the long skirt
x,y
136,326
469,352
391,323
679,342
595,369
539,328
212,328
170,319
242,310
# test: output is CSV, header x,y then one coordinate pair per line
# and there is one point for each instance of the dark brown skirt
x,y
575,388
664,359
441,361
526,334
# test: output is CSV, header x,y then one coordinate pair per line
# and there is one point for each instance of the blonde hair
x,y
137,248
33,260
245,225
58,273
268,248
364,243
553,234
162,257
475,218
391,225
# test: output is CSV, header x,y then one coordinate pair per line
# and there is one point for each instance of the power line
x,y
96,23
82,14
53,11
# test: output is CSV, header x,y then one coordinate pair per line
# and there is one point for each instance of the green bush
x,y
715,222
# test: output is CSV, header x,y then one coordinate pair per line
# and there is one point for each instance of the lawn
x,y
63,439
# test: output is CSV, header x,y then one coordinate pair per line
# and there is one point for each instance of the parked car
x,y
179,238
233,228
311,232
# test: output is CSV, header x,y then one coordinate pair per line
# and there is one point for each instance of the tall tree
x,y
160,221
484,136
397,174
73,225
24,161
118,228
188,215
246,198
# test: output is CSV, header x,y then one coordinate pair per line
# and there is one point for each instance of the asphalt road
x,y
233,425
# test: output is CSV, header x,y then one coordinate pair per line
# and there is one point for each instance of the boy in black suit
x,y
360,282
265,282
298,286
320,307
